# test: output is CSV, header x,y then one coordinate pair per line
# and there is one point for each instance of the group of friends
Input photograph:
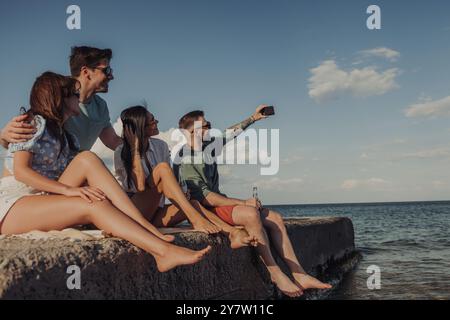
x,y
51,181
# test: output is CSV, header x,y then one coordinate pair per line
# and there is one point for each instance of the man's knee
x,y
276,217
250,215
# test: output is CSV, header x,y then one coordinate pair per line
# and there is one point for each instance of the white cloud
x,y
278,184
441,152
429,108
166,136
382,52
364,156
367,183
328,81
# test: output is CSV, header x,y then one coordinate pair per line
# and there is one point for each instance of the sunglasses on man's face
x,y
206,126
107,71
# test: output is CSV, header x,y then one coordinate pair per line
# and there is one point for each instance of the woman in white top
x,y
52,186
135,162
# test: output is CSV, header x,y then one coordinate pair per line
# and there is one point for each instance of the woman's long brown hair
x,y
47,100
135,120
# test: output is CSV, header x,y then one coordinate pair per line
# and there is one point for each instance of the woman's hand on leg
x,y
87,193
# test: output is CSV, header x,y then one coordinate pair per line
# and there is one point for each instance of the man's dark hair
x,y
188,119
87,56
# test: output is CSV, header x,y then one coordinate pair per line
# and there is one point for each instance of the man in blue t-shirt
x,y
91,67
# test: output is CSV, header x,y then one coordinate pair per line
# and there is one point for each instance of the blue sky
x,y
340,90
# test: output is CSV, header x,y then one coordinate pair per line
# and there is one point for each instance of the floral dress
x,y
50,159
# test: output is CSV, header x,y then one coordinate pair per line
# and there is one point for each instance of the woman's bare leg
x,y
171,215
166,183
147,202
88,167
249,218
56,212
274,223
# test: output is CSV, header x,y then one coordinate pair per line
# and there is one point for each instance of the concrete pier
x,y
115,269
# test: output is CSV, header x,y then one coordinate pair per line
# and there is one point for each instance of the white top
x,y
158,151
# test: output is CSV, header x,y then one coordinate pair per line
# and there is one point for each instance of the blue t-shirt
x,y
49,159
87,126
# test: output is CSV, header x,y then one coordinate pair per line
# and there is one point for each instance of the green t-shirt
x,y
202,177
87,126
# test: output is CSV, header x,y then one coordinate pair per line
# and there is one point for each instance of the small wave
x,y
404,242
370,250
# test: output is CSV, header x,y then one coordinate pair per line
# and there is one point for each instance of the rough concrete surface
x,y
115,269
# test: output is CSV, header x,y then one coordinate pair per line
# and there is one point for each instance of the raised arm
x,y
233,131
138,173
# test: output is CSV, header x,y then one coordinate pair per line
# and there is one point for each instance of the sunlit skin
x,y
94,80
87,193
261,222
148,198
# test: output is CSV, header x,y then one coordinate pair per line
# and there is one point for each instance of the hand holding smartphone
x,y
268,111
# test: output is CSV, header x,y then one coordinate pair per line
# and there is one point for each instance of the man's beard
x,y
103,89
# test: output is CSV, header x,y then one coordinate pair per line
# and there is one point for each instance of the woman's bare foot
x,y
162,236
305,282
285,285
167,237
157,233
239,238
203,225
178,256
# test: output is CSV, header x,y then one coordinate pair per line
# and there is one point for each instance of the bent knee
x,y
250,214
87,157
276,217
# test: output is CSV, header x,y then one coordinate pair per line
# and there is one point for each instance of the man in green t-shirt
x,y
91,67
195,166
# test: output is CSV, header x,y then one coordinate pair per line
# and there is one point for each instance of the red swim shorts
x,y
224,213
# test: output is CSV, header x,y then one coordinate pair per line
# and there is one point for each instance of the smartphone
x,y
268,111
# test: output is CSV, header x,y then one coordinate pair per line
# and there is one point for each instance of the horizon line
x,y
357,203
